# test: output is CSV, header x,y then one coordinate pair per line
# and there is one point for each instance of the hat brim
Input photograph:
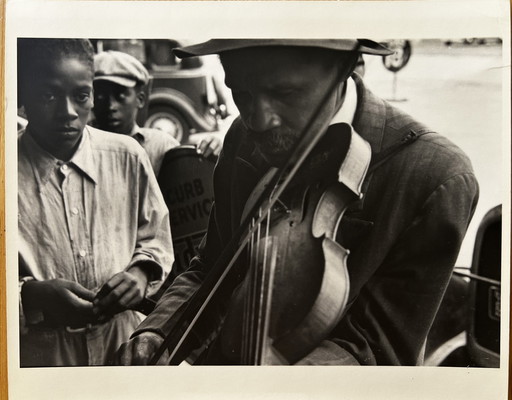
x,y
217,46
120,80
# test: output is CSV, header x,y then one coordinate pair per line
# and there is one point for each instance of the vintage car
x,y
184,96
466,331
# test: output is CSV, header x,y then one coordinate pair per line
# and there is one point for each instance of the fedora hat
x,y
217,46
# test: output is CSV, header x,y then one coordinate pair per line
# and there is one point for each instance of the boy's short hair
x,y
35,52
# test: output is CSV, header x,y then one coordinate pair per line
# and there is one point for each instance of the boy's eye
x,y
48,97
82,97
99,96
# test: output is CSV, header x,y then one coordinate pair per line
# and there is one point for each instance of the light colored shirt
x,y
89,218
347,110
156,143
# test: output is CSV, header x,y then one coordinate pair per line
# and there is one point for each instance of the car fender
x,y
180,102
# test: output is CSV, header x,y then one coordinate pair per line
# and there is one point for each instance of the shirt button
x,y
82,253
64,167
74,210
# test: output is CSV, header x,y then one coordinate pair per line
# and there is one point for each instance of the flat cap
x,y
120,68
217,46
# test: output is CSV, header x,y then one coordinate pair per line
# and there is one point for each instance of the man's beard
x,y
274,145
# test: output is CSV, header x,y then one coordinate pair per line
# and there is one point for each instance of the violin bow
x,y
190,311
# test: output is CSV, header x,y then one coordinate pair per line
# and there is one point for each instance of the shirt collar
x,y
347,110
83,158
138,134
45,163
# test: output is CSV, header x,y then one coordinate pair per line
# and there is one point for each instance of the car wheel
x,y
168,120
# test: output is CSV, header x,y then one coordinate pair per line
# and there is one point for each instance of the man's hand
x,y
140,350
125,290
63,302
212,145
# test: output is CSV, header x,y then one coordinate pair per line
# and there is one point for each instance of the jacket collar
x,y
370,117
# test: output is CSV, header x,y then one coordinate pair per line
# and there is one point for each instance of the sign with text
x,y
186,181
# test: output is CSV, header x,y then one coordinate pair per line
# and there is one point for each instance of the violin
x,y
272,318
296,286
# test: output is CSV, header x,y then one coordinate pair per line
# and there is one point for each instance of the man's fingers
x,y
124,355
111,298
207,151
139,350
82,309
203,146
130,298
127,293
109,285
80,291
216,146
209,146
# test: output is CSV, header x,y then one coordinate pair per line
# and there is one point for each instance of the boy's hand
x,y
125,290
63,302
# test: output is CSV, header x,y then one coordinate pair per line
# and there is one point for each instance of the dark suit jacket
x,y
404,236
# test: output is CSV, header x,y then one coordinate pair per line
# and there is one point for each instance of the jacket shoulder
x,y
431,151
235,135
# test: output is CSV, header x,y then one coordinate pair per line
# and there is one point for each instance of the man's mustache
x,y
263,136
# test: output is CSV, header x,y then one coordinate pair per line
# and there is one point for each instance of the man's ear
x,y
141,99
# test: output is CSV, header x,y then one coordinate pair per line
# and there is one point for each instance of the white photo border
x,y
200,20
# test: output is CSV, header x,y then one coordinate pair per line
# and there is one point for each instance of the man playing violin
x,y
417,197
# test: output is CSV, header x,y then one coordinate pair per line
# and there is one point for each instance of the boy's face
x,y
116,106
58,99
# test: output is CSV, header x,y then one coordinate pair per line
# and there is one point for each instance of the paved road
x,y
457,91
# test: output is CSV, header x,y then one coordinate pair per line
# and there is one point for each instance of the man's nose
x,y
68,109
261,116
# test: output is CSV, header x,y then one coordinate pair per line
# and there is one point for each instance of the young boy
x,y
120,83
93,226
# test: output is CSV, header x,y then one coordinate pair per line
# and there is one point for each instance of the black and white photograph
x,y
213,204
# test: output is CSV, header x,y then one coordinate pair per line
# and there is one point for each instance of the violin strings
x,y
264,292
256,296
250,247
252,271
253,293
268,299
248,298
260,293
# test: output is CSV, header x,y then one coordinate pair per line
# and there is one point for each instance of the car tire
x,y
168,120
